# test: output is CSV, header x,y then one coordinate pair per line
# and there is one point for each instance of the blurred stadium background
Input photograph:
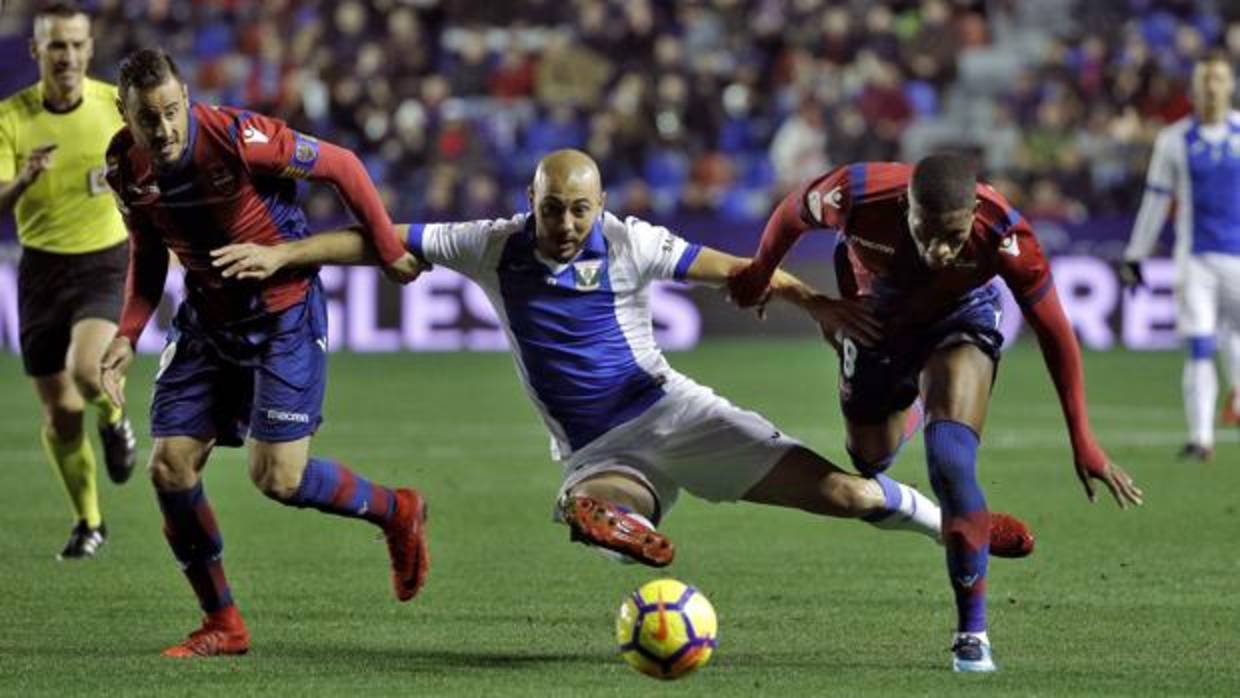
x,y
701,115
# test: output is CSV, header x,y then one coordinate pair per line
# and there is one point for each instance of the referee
x,y
71,279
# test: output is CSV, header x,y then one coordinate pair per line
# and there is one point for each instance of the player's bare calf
x,y
600,523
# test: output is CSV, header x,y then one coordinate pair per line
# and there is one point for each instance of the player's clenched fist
x,y
749,286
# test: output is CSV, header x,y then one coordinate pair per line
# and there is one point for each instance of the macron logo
x,y
282,416
1008,246
253,135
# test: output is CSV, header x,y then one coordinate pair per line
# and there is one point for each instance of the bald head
x,y
567,198
568,169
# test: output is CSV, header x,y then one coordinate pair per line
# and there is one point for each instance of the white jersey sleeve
x,y
1162,181
658,253
461,246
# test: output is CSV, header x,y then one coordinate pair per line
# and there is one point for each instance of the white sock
x,y
1200,394
916,512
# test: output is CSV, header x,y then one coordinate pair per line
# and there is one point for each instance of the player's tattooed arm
x,y
247,261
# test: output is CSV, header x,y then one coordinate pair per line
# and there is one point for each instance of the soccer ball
x,y
666,629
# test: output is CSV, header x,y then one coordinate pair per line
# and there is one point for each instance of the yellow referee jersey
x,y
68,209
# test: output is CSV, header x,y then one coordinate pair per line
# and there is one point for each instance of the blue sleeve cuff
x,y
686,261
413,240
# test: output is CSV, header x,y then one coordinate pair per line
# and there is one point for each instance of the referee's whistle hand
x,y
40,159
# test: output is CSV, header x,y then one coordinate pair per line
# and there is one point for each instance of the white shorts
x,y
1208,292
691,439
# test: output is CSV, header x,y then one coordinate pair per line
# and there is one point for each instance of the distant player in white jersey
x,y
1196,162
571,286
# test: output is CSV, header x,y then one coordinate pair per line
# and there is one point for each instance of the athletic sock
x,y
74,462
1200,395
951,455
109,412
905,509
189,526
332,488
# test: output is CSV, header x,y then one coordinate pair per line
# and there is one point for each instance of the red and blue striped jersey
x,y
866,203
235,183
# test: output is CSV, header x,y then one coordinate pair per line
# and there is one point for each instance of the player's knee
x,y
274,477
170,474
87,380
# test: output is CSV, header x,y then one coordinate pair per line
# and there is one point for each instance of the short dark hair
x,y
146,68
945,182
1215,55
60,8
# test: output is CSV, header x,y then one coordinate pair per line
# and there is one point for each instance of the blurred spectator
x,y
705,106
799,148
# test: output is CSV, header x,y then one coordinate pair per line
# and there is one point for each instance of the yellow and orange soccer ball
x,y
666,629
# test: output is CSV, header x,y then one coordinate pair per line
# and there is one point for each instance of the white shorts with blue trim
x,y
1208,293
690,439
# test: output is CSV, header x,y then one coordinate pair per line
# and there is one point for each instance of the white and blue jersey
x,y
1199,166
581,331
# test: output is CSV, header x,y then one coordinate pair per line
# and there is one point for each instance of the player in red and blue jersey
x,y
919,249
243,358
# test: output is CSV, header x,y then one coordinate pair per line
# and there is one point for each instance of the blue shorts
x,y
878,382
264,377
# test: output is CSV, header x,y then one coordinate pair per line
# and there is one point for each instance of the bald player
x,y
53,135
571,285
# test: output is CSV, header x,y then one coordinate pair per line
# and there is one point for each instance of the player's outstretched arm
x,y
1062,355
341,168
834,316
283,152
748,284
248,261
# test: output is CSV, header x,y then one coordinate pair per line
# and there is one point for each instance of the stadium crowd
x,y
713,106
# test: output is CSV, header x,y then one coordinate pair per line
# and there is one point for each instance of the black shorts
x,y
55,291
878,382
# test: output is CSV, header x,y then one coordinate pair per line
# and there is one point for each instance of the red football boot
x,y
1009,536
1231,417
406,541
222,633
596,522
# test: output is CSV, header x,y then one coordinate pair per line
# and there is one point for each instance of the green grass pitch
x,y
1142,602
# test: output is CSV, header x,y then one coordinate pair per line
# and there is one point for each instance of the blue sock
x,y
951,456
192,533
332,488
